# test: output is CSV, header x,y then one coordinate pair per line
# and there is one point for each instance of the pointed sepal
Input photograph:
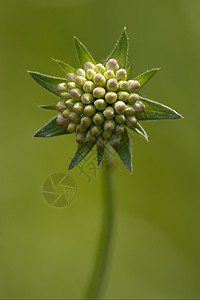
x,y
82,52
81,152
51,129
140,130
100,153
146,76
48,106
65,67
124,151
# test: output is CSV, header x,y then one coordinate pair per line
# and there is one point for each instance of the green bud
x,y
112,64
119,107
121,74
65,95
89,65
99,92
87,98
123,85
74,118
71,85
100,68
89,137
109,74
139,107
61,121
111,97
98,118
119,119
112,85
123,96
81,72
109,112
70,76
86,121
133,85
90,74
71,127
60,106
61,87
107,135
115,140
100,142
129,111
109,125
69,103
80,138
99,80
88,86
80,80
133,98
76,94
89,110
100,104
66,113
78,108
96,130
80,128
131,121
119,129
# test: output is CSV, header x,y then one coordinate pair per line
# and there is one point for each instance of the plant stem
x,y
101,265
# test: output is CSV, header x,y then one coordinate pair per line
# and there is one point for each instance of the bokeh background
x,y
48,252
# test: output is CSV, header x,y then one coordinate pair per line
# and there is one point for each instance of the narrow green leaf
x,y
140,130
51,129
120,51
82,52
100,153
128,71
48,106
146,76
46,81
156,111
124,151
65,67
81,152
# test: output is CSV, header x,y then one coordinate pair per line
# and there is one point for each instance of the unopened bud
x,y
76,94
96,130
112,64
70,76
121,74
69,103
111,97
139,107
115,140
71,85
65,95
131,121
71,127
80,80
100,68
89,65
78,108
109,125
119,107
80,138
89,110
123,85
129,111
99,92
81,72
133,85
61,121
98,118
109,112
66,113
100,142
100,104
60,106
74,118
99,80
133,98
89,137
119,119
61,87
119,129
123,96
90,74
80,128
112,85
87,98
88,86
107,135
86,121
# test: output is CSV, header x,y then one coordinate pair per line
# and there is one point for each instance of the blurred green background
x,y
49,253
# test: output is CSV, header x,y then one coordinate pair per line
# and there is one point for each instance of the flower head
x,y
98,103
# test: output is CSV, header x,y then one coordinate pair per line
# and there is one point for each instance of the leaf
x,y
65,67
140,130
124,151
146,76
156,111
48,106
128,71
82,52
81,152
46,81
51,129
100,153
120,51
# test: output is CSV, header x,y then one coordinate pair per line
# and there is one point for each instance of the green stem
x,y
101,265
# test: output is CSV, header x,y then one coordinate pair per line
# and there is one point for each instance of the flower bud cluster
x,y
98,102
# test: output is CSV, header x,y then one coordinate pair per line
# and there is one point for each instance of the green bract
x,y
98,102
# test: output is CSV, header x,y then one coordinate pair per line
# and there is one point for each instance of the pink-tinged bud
x,y
133,85
133,98
66,113
107,135
65,96
76,94
89,110
112,64
109,125
115,140
90,74
99,92
119,119
129,111
123,85
121,74
100,142
80,138
87,98
131,121
60,106
78,108
86,121
88,86
69,103
100,104
109,74
123,96
119,107
111,97
119,129
100,68
80,128
61,121
112,85
71,85
89,137
98,118
71,127
109,112
80,80
139,107
70,76
74,118
61,87
81,72
96,130
99,80
89,65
